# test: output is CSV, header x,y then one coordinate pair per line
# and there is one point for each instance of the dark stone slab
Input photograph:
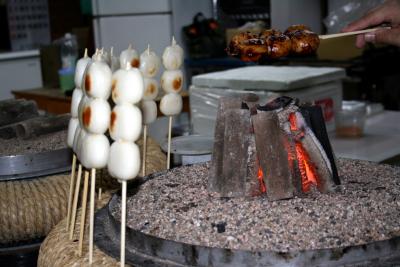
x,y
15,110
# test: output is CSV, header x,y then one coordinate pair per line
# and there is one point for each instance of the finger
x,y
373,18
391,37
360,41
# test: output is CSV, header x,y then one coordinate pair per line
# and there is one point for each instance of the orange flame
x,y
260,176
293,122
307,169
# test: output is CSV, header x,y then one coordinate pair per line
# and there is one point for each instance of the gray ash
x,y
177,206
47,142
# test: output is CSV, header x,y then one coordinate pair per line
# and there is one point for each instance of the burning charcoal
x,y
315,120
253,186
325,182
245,106
225,104
273,157
236,142
250,97
250,102
273,151
277,103
314,164
250,106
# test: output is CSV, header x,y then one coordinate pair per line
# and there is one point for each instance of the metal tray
x,y
190,145
26,166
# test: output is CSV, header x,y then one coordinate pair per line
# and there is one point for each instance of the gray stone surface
x,y
47,142
177,206
281,78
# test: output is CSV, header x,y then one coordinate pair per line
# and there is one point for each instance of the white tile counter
x,y
380,142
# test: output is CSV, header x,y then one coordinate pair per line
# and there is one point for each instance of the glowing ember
x,y
307,169
260,176
293,123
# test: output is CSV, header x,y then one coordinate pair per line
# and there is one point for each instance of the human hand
x,y
389,12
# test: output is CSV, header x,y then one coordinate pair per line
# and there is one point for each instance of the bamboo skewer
x,y
123,223
144,150
336,35
100,189
169,143
75,203
83,212
71,191
91,224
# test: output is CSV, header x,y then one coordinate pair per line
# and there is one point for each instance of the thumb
x,y
391,37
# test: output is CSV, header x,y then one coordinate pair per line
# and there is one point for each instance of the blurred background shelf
x,y
53,100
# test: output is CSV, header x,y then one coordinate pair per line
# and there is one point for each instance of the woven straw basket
x,y
30,208
58,250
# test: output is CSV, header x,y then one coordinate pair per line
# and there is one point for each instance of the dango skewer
x,y
149,113
73,123
83,211
95,146
149,66
74,207
76,97
170,105
125,127
171,82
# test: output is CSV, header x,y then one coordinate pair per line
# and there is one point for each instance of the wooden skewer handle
x,y
123,223
83,213
71,191
91,220
336,35
75,203
169,143
144,150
